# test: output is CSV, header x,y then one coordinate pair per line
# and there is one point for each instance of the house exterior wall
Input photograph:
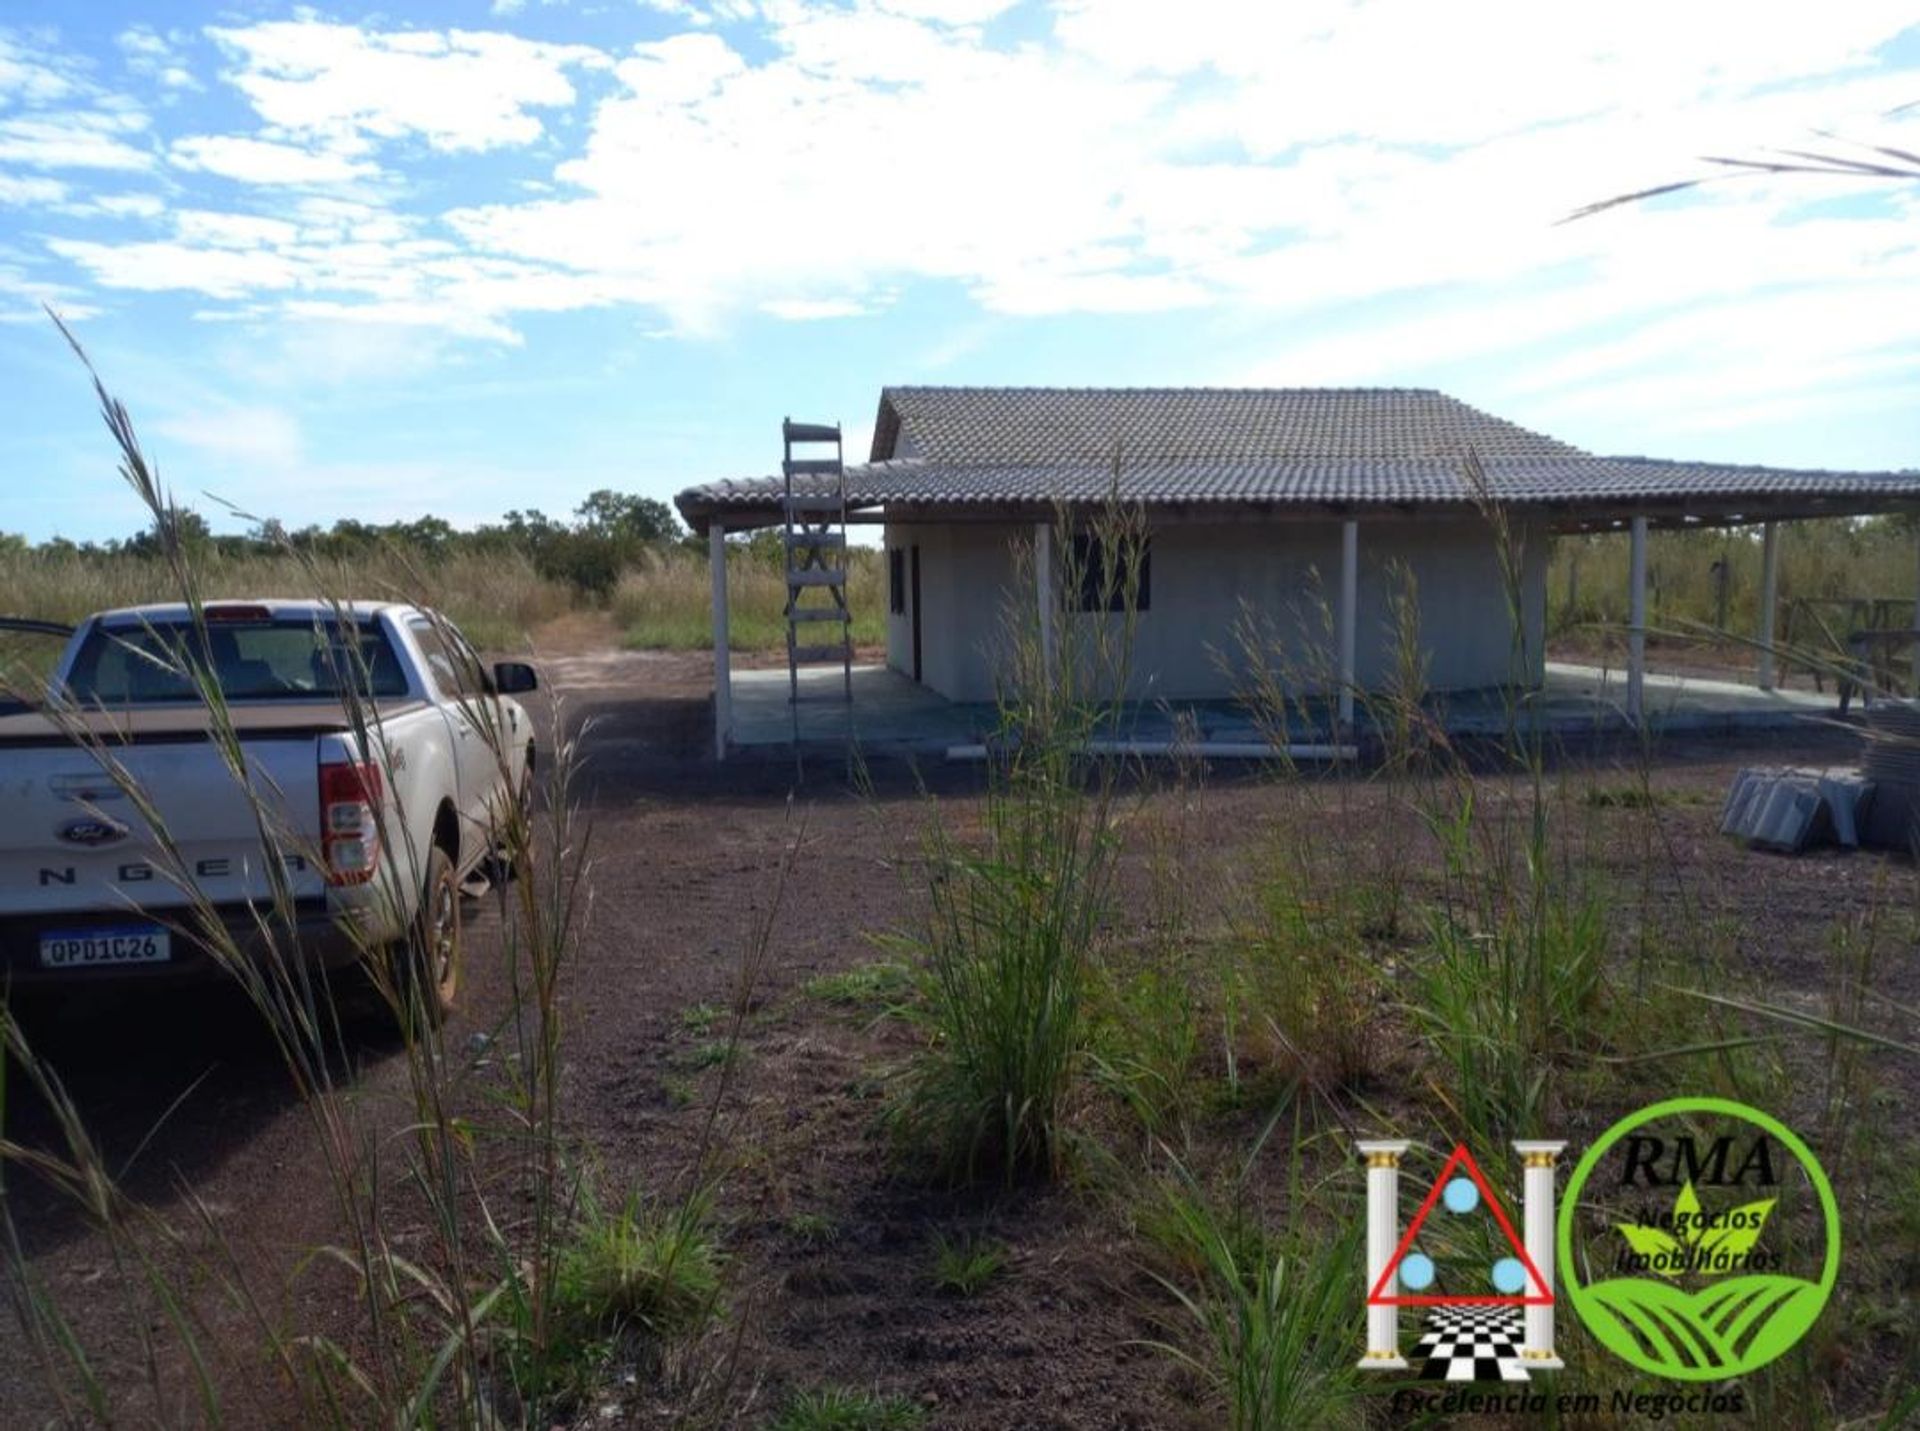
x,y
1216,587
968,576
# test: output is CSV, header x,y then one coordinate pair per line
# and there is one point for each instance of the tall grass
x,y
1269,1309
1015,913
497,599
1690,602
666,601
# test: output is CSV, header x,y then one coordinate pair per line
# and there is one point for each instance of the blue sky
x,y
464,257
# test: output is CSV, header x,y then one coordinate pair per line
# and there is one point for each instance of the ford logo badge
x,y
92,832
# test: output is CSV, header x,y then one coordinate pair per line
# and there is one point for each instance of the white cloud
x,y
1276,167
22,296
460,91
160,266
156,56
80,139
262,161
15,189
948,12
259,438
129,206
804,310
30,75
704,12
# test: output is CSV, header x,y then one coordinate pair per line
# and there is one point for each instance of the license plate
x,y
100,947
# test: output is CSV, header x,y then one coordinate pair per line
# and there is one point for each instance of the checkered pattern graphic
x,y
1471,1344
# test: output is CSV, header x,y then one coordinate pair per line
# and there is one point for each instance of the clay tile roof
x,y
1048,425
1347,449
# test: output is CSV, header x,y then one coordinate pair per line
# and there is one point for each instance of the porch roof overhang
x,y
1571,493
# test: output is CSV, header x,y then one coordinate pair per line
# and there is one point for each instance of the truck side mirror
x,y
514,678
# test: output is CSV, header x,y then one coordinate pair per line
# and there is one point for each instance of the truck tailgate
x,y
71,840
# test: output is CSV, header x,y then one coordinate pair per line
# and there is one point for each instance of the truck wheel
x,y
432,962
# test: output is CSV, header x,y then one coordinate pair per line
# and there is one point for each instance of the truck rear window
x,y
290,659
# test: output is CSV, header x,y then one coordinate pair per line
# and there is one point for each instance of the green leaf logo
x,y
1730,1319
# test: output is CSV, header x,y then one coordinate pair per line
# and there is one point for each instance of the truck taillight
x,y
349,820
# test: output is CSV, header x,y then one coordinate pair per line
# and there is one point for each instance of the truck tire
x,y
431,965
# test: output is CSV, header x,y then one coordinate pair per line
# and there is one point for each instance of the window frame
x,y
1089,556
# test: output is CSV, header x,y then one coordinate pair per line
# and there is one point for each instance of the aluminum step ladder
x,y
816,553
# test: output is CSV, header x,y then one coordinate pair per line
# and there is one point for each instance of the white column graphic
x,y
1536,1197
1383,1236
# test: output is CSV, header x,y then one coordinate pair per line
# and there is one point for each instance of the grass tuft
x,y
646,1268
844,1408
813,1229
1271,1316
964,1266
881,985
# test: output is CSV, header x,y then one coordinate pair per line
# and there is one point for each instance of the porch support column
x,y
1915,688
1383,1236
1043,593
1769,598
1637,622
722,654
1536,1205
1349,619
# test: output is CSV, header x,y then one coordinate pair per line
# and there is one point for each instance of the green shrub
x,y
1505,1009
1004,969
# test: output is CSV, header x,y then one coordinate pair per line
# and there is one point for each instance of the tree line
x,y
607,533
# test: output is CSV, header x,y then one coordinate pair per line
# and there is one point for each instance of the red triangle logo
x,y
1538,1296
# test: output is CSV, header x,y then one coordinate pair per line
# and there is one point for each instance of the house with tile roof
x,y
1264,506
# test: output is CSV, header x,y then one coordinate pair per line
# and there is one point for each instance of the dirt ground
x,y
184,1094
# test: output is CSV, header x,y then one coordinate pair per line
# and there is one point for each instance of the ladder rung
x,y
809,431
813,467
803,654
820,613
816,539
799,503
816,578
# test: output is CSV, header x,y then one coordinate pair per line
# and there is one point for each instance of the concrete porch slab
x,y
891,714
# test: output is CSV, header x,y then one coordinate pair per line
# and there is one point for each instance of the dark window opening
x,y
1106,570
289,659
896,580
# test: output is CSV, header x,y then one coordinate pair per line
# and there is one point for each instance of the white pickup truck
x,y
384,752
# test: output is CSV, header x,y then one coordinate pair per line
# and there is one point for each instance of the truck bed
x,y
179,724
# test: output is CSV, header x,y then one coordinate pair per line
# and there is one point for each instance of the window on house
x,y
1104,569
897,580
